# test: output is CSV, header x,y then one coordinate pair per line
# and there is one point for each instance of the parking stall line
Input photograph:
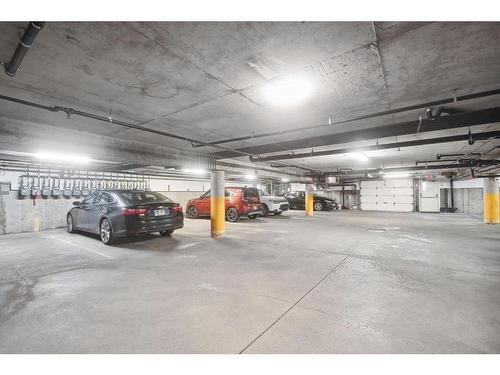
x,y
79,246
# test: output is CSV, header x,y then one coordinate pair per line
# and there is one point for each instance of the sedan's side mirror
x,y
77,203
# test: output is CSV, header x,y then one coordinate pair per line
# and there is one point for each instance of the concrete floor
x,y
340,282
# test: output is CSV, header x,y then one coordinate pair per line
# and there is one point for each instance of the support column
x,y
309,200
490,201
217,204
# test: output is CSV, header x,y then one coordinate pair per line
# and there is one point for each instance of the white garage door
x,y
387,195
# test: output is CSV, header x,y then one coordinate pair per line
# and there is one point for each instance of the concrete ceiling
x,y
205,80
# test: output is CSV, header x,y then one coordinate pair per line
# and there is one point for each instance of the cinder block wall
x,y
469,201
25,214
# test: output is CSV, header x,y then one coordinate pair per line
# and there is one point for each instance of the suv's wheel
x,y
232,214
106,232
318,206
265,210
70,224
278,212
192,212
167,232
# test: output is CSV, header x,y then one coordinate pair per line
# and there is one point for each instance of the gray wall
x,y
20,215
469,201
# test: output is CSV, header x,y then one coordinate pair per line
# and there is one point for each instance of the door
x,y
301,200
82,213
387,195
293,199
429,196
99,207
204,204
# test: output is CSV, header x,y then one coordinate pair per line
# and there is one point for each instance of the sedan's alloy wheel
x,y
105,231
69,224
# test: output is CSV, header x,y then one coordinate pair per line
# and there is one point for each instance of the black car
x,y
124,213
297,200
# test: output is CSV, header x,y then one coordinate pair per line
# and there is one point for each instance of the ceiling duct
x,y
23,47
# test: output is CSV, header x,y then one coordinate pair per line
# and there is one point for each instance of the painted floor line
x,y
191,244
81,247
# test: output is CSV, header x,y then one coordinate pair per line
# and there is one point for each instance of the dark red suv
x,y
240,201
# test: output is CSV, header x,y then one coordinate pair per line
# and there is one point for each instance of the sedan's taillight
x,y
133,211
177,208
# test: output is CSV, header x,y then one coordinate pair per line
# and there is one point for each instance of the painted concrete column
x,y
217,203
491,201
309,200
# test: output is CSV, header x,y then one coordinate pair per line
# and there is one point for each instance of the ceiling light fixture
x,y
285,180
62,158
289,91
250,176
194,171
361,156
396,174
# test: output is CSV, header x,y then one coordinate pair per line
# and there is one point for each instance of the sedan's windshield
x,y
263,193
143,197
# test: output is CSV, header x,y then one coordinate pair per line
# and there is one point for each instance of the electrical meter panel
x,y
56,188
24,187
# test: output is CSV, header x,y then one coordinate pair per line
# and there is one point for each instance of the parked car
x,y
240,201
123,213
271,203
297,200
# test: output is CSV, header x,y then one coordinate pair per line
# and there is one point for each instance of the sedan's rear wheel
x,y
167,232
106,232
318,206
191,212
70,224
232,214
265,210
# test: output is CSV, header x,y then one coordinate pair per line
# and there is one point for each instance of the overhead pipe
x,y
432,113
452,198
468,164
439,156
454,99
71,111
466,119
491,149
418,142
435,161
23,47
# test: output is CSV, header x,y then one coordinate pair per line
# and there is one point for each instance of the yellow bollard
x,y
309,200
217,204
36,223
491,203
